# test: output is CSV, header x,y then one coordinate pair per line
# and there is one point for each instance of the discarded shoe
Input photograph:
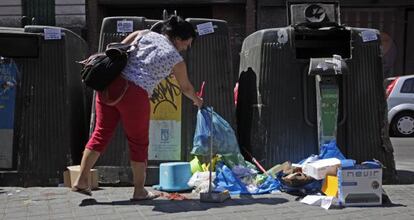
x,y
149,196
86,191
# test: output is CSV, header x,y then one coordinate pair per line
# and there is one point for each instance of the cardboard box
x,y
330,186
320,168
70,175
360,186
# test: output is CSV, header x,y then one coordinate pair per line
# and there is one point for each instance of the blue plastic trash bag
x,y
330,150
347,163
224,139
372,164
269,185
227,180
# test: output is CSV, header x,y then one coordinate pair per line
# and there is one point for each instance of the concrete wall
x,y
70,13
10,13
235,17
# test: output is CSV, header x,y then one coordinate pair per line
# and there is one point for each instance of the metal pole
x,y
211,153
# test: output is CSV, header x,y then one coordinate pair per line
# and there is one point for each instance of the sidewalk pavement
x,y
113,203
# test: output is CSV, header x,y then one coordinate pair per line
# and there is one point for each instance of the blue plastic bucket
x,y
174,176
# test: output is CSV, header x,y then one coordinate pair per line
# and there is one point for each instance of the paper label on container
x,y
369,36
282,36
165,140
205,28
52,33
124,26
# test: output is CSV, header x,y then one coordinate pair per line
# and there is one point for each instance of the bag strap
x,y
112,103
117,48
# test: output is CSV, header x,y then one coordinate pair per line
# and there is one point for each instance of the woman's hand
x,y
198,101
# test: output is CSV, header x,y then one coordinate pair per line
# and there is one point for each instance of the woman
x,y
156,57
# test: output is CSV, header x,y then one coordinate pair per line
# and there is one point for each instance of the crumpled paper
x,y
325,202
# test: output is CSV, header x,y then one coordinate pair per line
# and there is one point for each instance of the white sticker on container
x,y
282,36
369,36
52,33
205,28
124,26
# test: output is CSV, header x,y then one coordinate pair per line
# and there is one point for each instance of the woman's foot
x,y
85,191
143,195
81,186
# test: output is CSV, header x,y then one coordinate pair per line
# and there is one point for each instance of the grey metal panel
x,y
209,60
48,111
109,31
285,105
78,94
277,123
366,135
279,131
44,143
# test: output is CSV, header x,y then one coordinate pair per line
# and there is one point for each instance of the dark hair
x,y
175,26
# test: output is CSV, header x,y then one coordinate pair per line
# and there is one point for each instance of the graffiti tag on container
x,y
165,92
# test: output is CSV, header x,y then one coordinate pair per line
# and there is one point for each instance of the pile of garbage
x,y
318,178
327,180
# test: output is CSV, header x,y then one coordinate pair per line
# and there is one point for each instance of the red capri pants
x,y
133,110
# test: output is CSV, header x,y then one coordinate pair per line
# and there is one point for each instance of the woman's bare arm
x,y
131,37
180,73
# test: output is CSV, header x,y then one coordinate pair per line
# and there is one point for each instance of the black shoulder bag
x,y
100,69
